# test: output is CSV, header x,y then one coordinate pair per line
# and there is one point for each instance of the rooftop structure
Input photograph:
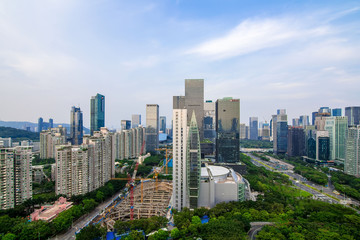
x,y
49,212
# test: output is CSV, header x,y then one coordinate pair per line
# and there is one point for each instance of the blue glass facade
x,y
282,136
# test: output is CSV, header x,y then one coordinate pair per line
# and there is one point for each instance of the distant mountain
x,y
32,126
18,134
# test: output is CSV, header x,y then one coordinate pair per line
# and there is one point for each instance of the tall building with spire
x,y
194,101
97,113
193,163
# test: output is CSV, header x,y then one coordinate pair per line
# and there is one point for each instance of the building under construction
x,y
151,198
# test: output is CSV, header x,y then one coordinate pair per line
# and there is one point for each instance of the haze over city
x,y
270,55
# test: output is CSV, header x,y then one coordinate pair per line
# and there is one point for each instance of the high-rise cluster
x,y
198,127
15,176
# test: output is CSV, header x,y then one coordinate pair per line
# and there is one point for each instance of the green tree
x,y
175,233
159,235
135,235
89,205
9,236
99,196
91,232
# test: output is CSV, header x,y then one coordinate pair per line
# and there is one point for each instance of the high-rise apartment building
x,y
76,126
49,139
193,163
125,124
97,112
296,142
135,120
73,170
15,176
163,124
194,101
337,128
128,143
353,115
152,127
180,139
352,153
253,124
228,130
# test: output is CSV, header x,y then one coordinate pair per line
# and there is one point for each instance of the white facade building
x,y
180,131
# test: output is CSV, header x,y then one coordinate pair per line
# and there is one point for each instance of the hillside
x,y
18,134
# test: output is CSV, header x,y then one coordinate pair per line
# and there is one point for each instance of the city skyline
x,y
304,56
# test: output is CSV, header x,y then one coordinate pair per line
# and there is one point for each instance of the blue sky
x,y
298,55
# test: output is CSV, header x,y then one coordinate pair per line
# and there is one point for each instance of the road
x,y
317,190
256,227
70,234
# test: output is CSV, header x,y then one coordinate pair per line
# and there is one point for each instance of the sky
x,y
297,55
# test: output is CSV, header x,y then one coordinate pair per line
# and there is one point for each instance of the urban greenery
x,y
346,184
38,161
18,134
15,221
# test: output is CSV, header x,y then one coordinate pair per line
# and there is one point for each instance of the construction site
x,y
142,198
150,198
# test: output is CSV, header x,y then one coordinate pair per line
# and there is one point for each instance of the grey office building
x,y
253,124
163,124
125,124
135,120
97,113
353,114
152,127
76,126
228,130
194,101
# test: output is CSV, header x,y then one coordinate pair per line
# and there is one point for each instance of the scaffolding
x,y
155,202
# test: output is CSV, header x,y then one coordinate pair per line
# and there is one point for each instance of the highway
x,y
319,192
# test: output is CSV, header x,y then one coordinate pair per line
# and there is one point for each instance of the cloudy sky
x,y
298,55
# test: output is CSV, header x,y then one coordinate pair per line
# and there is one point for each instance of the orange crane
x,y
167,160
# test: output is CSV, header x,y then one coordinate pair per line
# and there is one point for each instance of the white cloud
x,y
254,35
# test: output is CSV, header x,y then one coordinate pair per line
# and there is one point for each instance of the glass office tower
x,y
97,113
228,130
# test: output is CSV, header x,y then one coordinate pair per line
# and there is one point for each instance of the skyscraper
x,y
253,124
193,163
97,113
76,126
125,124
337,128
194,101
322,146
280,132
135,120
163,124
179,158
296,142
353,115
352,155
51,123
228,130
152,127
40,124
336,112
304,121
